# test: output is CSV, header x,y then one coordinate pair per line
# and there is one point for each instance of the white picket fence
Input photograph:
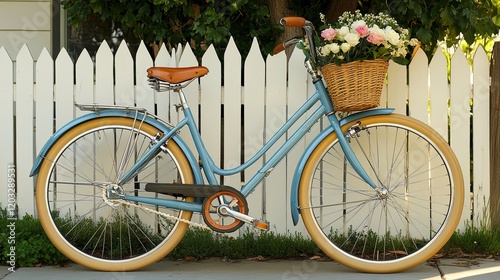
x,y
37,98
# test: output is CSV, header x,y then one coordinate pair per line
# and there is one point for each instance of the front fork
x,y
349,153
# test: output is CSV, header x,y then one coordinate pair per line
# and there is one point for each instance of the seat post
x,y
182,98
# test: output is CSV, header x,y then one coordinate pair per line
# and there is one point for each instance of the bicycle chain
x,y
168,216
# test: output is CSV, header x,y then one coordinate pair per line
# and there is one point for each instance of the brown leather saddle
x,y
177,75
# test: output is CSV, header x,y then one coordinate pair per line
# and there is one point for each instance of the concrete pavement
x,y
477,269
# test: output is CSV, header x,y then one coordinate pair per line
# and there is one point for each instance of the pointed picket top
x,y
44,56
210,56
104,75
459,56
104,50
6,69
178,54
63,57
24,54
4,54
84,57
438,57
123,52
124,76
143,55
254,55
144,95
232,53
481,75
188,58
84,88
163,57
45,73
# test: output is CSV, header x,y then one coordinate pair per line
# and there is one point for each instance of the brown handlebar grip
x,y
293,21
279,48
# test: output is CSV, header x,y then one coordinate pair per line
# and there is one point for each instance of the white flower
x,y
352,39
391,36
342,32
334,48
345,47
413,42
325,50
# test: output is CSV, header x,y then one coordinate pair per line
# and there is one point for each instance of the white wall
x,y
25,22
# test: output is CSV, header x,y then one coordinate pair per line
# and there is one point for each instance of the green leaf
x,y
424,35
401,60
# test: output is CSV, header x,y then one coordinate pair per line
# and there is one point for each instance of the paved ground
x,y
478,269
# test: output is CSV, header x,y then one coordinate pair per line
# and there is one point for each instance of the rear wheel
x,y
383,232
71,195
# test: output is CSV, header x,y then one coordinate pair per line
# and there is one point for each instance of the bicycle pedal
x,y
262,225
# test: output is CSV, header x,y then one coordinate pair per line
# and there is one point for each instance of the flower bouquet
x,y
353,55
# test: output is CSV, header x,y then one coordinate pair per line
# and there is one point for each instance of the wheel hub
x,y
113,191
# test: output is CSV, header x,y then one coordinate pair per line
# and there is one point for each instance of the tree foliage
x,y
199,23
444,20
204,22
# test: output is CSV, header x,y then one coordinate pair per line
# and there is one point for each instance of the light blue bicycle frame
x,y
211,170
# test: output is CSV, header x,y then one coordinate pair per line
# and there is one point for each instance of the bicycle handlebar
x,y
293,21
281,47
309,30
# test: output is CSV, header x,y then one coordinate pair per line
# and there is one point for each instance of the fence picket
x,y
192,92
124,78
439,93
297,94
24,131
253,98
84,88
7,115
460,122
232,112
64,89
144,94
44,95
397,88
104,75
275,183
418,87
163,107
481,107
210,113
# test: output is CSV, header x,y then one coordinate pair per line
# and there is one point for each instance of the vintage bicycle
x,y
116,188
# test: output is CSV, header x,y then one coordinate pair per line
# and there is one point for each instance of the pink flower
x,y
328,34
375,38
363,31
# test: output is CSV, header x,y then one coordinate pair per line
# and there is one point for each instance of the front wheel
x,y
71,198
393,230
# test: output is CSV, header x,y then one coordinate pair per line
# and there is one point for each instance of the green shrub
x,y
200,244
32,245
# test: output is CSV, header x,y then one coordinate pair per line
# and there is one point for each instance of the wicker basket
x,y
357,85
